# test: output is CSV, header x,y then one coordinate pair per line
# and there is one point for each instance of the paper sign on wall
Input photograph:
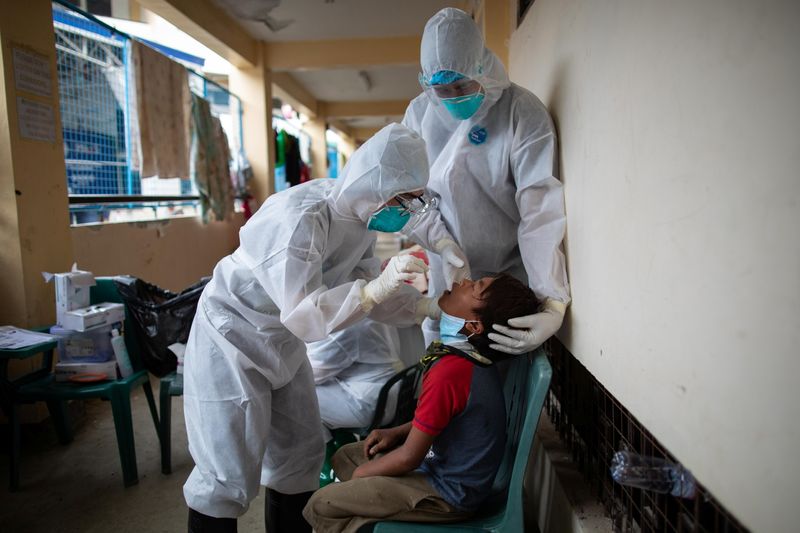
x,y
37,121
32,72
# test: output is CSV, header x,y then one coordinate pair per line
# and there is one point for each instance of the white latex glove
x,y
427,308
399,269
528,332
455,266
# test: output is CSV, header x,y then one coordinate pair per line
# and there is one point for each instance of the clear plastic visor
x,y
462,87
414,204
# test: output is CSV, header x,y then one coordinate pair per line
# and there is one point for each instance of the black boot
x,y
200,523
283,513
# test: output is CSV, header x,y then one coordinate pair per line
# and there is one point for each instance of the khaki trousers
x,y
351,503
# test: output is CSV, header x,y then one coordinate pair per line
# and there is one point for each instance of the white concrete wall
x,y
679,126
172,253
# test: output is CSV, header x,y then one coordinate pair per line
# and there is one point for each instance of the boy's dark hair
x,y
505,298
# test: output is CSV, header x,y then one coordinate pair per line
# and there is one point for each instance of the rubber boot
x,y
283,513
200,523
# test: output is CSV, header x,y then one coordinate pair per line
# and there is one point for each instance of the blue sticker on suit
x,y
477,135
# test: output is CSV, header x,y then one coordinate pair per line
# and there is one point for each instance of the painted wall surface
x,y
34,216
679,126
172,254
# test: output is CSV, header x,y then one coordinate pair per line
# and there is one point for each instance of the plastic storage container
x,y
91,346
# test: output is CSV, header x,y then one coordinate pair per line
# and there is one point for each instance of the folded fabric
x,y
161,101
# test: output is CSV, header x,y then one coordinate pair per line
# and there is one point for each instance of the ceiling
x,y
313,20
341,85
310,20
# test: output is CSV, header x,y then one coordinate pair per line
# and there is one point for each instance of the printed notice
x,y
32,72
37,121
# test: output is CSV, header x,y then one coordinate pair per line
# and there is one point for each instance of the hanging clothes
x,y
305,173
288,162
161,100
280,148
210,162
293,160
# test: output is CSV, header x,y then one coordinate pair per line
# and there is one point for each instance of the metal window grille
x,y
92,67
593,425
92,95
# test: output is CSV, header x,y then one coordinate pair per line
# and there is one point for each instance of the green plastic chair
x,y
170,385
8,390
118,392
525,390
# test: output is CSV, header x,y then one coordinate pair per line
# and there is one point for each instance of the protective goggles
x,y
415,205
461,87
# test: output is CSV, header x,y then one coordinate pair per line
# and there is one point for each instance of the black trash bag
x,y
160,318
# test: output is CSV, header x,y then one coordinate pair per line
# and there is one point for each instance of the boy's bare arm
x,y
400,460
385,440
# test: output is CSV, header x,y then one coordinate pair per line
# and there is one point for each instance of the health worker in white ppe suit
x,y
492,150
350,368
304,269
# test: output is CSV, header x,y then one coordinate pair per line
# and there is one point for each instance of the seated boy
x,y
439,467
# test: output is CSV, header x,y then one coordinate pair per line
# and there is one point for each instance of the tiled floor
x,y
78,488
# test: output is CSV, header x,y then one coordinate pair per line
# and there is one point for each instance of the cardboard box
x,y
93,316
66,370
72,290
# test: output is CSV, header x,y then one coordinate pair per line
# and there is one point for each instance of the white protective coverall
x,y
350,368
494,173
251,412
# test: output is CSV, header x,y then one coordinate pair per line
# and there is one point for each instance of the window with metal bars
x,y
593,425
91,60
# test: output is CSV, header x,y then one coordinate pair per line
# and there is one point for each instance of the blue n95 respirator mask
x,y
463,107
389,219
450,328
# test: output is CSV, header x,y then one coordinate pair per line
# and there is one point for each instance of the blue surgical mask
x,y
450,328
389,219
463,107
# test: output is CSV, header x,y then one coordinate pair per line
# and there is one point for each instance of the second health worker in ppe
x,y
492,152
301,272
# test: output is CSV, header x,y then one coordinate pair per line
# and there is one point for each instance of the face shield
x,y
460,95
452,48
415,204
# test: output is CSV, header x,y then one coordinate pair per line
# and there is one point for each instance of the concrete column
x,y
253,84
319,147
497,26
34,209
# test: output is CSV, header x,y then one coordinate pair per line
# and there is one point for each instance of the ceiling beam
x,y
362,134
338,53
211,26
364,108
341,127
287,88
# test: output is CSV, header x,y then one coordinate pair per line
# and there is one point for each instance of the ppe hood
x,y
393,161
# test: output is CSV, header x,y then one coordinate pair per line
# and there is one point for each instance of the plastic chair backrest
x,y
397,399
526,387
106,291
